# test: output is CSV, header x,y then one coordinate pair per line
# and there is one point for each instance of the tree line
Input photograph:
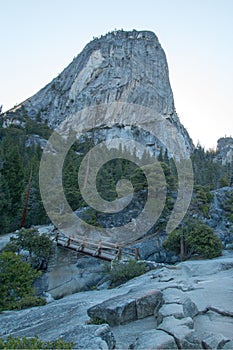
x,y
18,161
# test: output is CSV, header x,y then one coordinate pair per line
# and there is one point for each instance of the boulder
x,y
181,330
166,310
155,339
170,323
173,295
127,307
189,308
149,303
115,311
228,345
215,341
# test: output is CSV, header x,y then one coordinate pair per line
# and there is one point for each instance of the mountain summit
x,y
121,66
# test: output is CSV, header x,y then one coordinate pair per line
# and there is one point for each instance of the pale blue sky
x,y
40,38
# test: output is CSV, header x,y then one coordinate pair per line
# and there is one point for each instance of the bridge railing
x,y
103,250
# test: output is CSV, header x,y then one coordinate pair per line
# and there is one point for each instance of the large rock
x,y
128,307
152,249
149,303
189,308
167,310
68,274
214,341
183,307
115,311
228,345
155,339
181,330
173,295
170,323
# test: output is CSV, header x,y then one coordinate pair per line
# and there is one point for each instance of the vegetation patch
x,y
37,245
228,206
194,238
96,320
121,272
16,283
33,343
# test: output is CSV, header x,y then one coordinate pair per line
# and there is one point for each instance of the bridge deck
x,y
105,251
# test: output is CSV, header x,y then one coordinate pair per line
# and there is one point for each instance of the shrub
x,y
202,199
16,279
197,238
227,205
33,343
97,321
121,272
27,301
38,246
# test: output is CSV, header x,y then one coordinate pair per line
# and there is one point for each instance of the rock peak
x,y
225,150
132,34
121,66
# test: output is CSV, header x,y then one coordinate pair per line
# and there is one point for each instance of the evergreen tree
x,y
5,205
16,279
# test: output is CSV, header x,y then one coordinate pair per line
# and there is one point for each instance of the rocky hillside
x,y
187,306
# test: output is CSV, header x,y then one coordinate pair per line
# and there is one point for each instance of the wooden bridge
x,y
105,251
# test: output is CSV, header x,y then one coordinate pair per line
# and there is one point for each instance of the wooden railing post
x,y
119,254
83,243
57,236
68,242
99,248
137,254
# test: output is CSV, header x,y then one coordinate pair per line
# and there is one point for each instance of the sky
x,y
39,38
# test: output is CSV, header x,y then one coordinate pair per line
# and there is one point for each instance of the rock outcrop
x,y
136,304
225,150
218,219
68,273
200,290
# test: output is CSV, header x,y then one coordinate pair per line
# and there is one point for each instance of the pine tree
x,y
5,205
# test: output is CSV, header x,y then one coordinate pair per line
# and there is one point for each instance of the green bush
x,y
202,200
121,272
230,217
33,343
197,238
27,301
96,320
38,246
16,283
227,206
172,242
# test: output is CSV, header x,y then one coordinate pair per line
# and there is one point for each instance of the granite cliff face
x,y
225,150
125,67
